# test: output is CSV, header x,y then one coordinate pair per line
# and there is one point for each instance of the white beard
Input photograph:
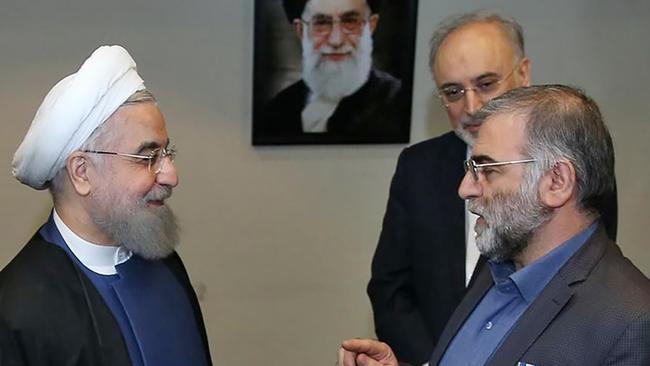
x,y
333,80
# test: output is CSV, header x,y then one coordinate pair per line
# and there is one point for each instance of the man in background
x,y
557,290
341,94
100,282
426,253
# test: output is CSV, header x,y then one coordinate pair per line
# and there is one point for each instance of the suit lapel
x,y
474,295
550,302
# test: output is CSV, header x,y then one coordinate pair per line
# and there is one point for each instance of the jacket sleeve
x,y
398,320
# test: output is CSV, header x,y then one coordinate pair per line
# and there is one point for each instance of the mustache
x,y
469,121
324,50
475,207
159,194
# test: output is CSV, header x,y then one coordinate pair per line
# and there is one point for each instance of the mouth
x,y
471,127
156,203
157,197
336,56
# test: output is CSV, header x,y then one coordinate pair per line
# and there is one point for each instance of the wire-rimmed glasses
x,y
155,160
476,168
321,25
485,87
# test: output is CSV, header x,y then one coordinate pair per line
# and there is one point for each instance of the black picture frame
x,y
372,115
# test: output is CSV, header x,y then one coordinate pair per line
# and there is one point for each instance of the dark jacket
x,y
53,315
374,113
595,311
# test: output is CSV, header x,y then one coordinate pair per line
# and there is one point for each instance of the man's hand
x,y
366,352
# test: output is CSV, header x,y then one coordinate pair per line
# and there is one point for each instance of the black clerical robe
x,y
51,314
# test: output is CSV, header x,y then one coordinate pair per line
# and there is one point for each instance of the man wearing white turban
x,y
100,283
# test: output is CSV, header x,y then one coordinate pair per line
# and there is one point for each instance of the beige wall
x,y
280,239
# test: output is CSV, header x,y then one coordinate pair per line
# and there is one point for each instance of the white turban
x,y
72,110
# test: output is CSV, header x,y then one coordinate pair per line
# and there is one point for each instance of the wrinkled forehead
x,y
334,7
501,137
133,125
473,50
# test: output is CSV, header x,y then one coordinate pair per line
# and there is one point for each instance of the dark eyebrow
x,y
480,159
351,13
321,16
328,16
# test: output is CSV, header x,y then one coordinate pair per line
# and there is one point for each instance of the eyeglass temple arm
x,y
499,163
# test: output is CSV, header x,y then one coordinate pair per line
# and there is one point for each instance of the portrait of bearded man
x,y
347,92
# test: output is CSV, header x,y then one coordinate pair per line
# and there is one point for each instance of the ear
x,y
374,19
524,72
557,187
77,167
297,27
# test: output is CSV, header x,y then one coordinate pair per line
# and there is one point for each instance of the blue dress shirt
x,y
513,291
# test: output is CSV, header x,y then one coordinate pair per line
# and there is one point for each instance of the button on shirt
x,y
512,293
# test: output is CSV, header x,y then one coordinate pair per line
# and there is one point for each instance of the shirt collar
x,y
100,259
532,279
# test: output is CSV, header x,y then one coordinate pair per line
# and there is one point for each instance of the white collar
x,y
100,259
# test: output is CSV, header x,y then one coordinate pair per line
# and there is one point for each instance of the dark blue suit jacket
x,y
376,113
595,311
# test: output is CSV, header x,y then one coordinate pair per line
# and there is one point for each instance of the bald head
x,y
474,58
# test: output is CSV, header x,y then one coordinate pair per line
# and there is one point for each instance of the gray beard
x,y
511,220
464,134
151,233
335,80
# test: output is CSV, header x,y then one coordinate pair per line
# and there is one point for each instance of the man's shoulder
x,y
39,270
38,284
613,286
289,95
622,282
381,81
43,261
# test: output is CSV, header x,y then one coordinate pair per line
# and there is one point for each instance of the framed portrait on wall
x,y
333,71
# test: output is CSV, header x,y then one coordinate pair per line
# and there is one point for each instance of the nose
x,y
167,176
473,102
335,38
469,188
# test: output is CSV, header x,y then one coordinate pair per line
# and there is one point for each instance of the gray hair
x,y
102,135
562,123
99,139
509,26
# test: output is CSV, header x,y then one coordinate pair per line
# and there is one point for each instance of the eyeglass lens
x,y
322,24
157,161
471,166
486,87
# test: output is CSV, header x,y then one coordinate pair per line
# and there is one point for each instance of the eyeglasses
x,y
155,160
471,165
485,87
322,25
